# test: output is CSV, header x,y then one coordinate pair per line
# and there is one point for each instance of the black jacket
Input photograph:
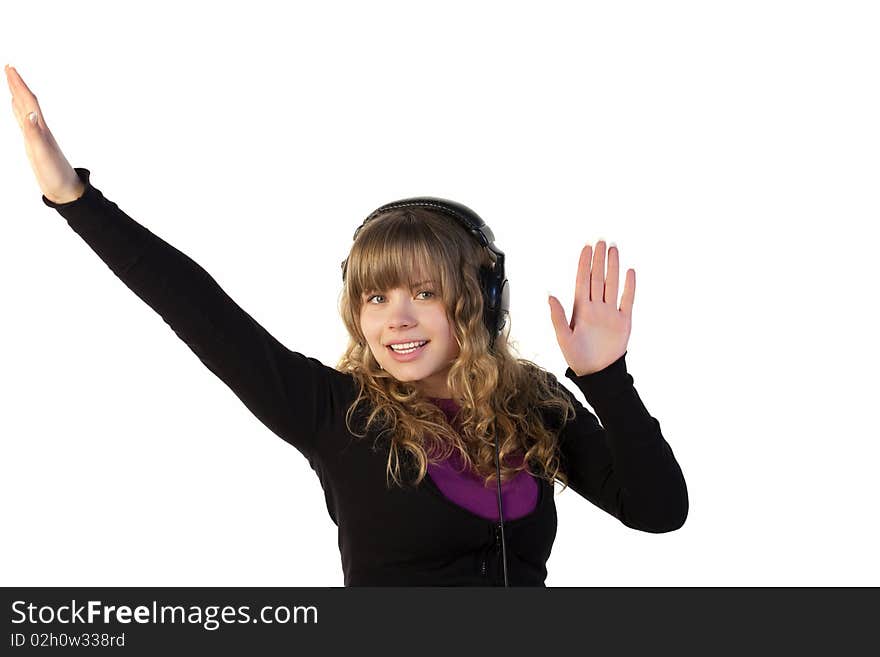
x,y
390,536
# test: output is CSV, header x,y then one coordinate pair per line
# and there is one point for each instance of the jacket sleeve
x,y
625,467
287,391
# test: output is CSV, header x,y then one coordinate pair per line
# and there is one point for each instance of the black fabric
x,y
410,536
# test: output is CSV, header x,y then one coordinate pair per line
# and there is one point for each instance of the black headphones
x,y
493,283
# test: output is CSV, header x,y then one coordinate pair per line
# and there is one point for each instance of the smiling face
x,y
404,315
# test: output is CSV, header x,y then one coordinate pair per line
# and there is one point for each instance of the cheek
x,y
452,345
368,332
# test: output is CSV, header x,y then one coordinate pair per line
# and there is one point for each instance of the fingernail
x,y
612,244
33,117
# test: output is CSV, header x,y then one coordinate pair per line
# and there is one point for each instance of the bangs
x,y
397,252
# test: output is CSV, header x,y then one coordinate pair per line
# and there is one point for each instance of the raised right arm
x,y
288,392
293,395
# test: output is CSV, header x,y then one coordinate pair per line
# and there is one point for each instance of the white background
x,y
730,149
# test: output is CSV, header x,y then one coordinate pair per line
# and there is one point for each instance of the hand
x,y
598,333
57,179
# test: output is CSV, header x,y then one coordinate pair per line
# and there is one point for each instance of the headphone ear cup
x,y
496,301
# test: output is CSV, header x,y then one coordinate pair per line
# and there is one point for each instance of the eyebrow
x,y
415,285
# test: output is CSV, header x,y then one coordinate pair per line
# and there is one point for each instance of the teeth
x,y
409,346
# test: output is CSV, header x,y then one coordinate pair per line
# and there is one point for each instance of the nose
x,y
400,311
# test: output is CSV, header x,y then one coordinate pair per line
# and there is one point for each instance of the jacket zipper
x,y
497,548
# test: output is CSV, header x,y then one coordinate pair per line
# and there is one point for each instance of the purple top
x,y
519,496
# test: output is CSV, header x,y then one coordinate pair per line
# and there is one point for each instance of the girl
x,y
427,410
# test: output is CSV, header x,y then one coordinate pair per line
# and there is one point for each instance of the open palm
x,y
598,332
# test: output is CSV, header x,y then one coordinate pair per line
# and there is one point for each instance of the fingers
x,y
23,99
17,85
592,284
629,293
597,276
10,74
612,280
582,283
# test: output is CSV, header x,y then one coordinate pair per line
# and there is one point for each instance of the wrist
x,y
69,195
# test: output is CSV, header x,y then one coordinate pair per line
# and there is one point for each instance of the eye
x,y
370,298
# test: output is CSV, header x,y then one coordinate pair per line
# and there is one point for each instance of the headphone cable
x,y
500,514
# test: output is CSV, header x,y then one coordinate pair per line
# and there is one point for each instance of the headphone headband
x,y
465,216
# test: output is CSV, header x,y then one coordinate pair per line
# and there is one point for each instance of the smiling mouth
x,y
408,352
